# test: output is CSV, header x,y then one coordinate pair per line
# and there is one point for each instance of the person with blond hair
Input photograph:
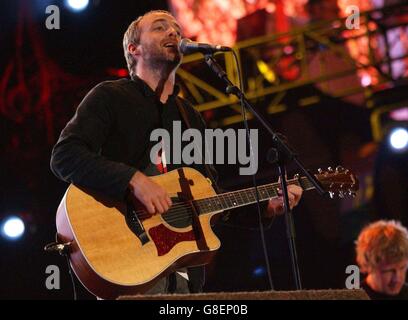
x,y
382,254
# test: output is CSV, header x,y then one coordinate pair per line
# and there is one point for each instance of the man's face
x,y
389,278
159,38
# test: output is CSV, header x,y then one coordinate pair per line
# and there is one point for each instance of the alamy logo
x,y
53,21
353,17
353,280
53,280
193,151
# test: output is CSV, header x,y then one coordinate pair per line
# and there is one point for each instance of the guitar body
x,y
111,260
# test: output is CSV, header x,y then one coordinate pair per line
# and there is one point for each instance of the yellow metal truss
x,y
264,82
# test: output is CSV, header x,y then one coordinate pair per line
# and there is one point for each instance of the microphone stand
x,y
285,155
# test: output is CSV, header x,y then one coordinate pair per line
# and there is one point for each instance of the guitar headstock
x,y
339,182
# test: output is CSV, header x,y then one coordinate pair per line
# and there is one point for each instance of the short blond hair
x,y
381,242
132,36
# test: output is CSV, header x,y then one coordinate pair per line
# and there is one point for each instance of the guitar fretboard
x,y
235,199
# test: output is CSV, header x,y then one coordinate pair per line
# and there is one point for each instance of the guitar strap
x,y
196,274
186,120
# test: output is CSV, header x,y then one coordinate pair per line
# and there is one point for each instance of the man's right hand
x,y
150,194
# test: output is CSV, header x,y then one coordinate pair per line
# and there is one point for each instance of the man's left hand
x,y
275,206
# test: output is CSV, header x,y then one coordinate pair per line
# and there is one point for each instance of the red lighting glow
x,y
221,25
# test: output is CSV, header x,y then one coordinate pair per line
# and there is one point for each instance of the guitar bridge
x,y
134,224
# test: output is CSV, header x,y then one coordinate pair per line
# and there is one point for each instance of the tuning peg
x,y
339,169
296,176
331,194
330,169
352,193
320,170
341,194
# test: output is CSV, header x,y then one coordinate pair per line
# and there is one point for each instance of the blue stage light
x,y
13,228
77,5
259,272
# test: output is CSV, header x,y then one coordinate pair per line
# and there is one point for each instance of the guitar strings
x,y
179,210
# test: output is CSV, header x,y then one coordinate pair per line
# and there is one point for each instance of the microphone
x,y
187,46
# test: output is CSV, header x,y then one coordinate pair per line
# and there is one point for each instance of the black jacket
x,y
108,140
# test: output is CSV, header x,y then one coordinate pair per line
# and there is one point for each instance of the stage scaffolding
x,y
354,64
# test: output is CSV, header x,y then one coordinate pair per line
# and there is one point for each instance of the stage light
x,y
398,139
266,71
77,5
13,228
366,80
259,272
400,114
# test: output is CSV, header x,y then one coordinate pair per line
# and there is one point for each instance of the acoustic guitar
x,y
118,248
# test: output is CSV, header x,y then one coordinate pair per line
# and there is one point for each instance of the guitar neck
x,y
240,198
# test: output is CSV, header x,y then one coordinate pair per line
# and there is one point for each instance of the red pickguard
x,y
165,239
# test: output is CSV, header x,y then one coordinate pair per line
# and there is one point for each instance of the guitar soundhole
x,y
179,215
